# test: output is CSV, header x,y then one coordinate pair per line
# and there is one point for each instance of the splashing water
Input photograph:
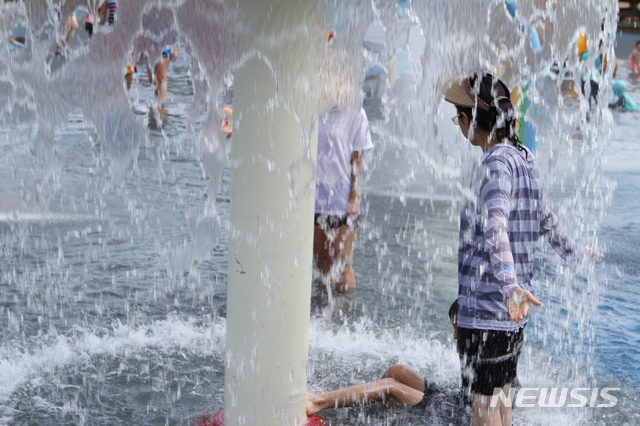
x,y
114,209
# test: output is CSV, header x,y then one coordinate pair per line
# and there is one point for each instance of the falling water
x,y
114,210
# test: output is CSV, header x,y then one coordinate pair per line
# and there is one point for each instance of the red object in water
x,y
316,420
218,420
329,37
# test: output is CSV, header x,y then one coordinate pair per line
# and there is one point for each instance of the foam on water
x,y
362,352
19,217
43,357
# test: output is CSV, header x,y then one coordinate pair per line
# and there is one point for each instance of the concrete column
x,y
272,207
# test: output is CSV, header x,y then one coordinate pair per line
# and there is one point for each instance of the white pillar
x,y
272,207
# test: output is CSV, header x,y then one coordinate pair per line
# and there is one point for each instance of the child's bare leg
x,y
72,26
345,240
333,253
322,252
406,376
160,71
485,415
102,13
387,390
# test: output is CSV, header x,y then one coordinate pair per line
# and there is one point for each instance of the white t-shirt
x,y
340,133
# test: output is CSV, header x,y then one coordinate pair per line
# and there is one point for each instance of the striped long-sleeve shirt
x,y
500,224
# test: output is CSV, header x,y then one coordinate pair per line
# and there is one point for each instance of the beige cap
x,y
461,94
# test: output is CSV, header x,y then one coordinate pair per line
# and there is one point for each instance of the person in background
x,y
591,77
107,12
158,76
131,68
226,122
72,26
343,136
622,101
634,59
158,43
225,101
501,220
88,24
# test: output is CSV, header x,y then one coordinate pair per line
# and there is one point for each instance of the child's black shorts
x,y
488,359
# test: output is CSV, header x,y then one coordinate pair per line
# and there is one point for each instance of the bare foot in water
x,y
313,404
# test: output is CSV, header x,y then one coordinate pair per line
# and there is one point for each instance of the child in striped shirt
x,y
500,223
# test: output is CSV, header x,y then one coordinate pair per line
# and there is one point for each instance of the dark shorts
x,y
425,398
488,359
88,26
329,221
441,406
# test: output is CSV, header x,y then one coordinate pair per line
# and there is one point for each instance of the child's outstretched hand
x,y
519,304
593,254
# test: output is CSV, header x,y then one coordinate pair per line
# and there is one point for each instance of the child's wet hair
x,y
453,310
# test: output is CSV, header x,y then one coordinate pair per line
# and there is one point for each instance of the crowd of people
x,y
158,44
591,77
